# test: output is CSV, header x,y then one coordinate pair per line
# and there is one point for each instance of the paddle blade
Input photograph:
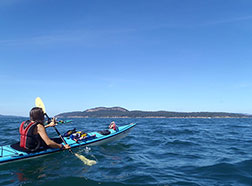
x,y
85,160
39,103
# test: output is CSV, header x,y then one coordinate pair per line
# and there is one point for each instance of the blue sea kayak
x,y
12,153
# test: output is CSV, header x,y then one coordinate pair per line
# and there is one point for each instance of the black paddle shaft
x,y
59,134
48,118
62,138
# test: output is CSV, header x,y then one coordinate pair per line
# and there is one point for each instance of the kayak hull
x,y
10,154
110,139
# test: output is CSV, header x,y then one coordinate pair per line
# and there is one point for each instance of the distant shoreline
x,y
150,117
164,117
119,112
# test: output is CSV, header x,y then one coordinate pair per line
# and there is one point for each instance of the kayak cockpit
x,y
16,146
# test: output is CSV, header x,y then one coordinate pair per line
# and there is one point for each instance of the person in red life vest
x,y
113,126
33,132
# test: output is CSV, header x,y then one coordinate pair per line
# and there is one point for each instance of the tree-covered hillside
x,y
114,112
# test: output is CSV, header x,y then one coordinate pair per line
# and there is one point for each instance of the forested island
x,y
119,112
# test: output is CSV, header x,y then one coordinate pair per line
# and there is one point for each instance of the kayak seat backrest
x,y
16,146
104,132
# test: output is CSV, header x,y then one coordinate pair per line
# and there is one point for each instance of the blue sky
x,y
187,55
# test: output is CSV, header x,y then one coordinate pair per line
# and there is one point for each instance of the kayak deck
x,y
10,153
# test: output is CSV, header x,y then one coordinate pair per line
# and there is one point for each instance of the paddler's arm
x,y
42,132
52,123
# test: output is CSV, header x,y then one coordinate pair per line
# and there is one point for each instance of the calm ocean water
x,y
156,152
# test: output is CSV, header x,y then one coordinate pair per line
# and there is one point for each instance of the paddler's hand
x,y
66,146
52,123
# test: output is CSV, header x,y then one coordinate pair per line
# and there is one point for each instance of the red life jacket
x,y
28,140
113,126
